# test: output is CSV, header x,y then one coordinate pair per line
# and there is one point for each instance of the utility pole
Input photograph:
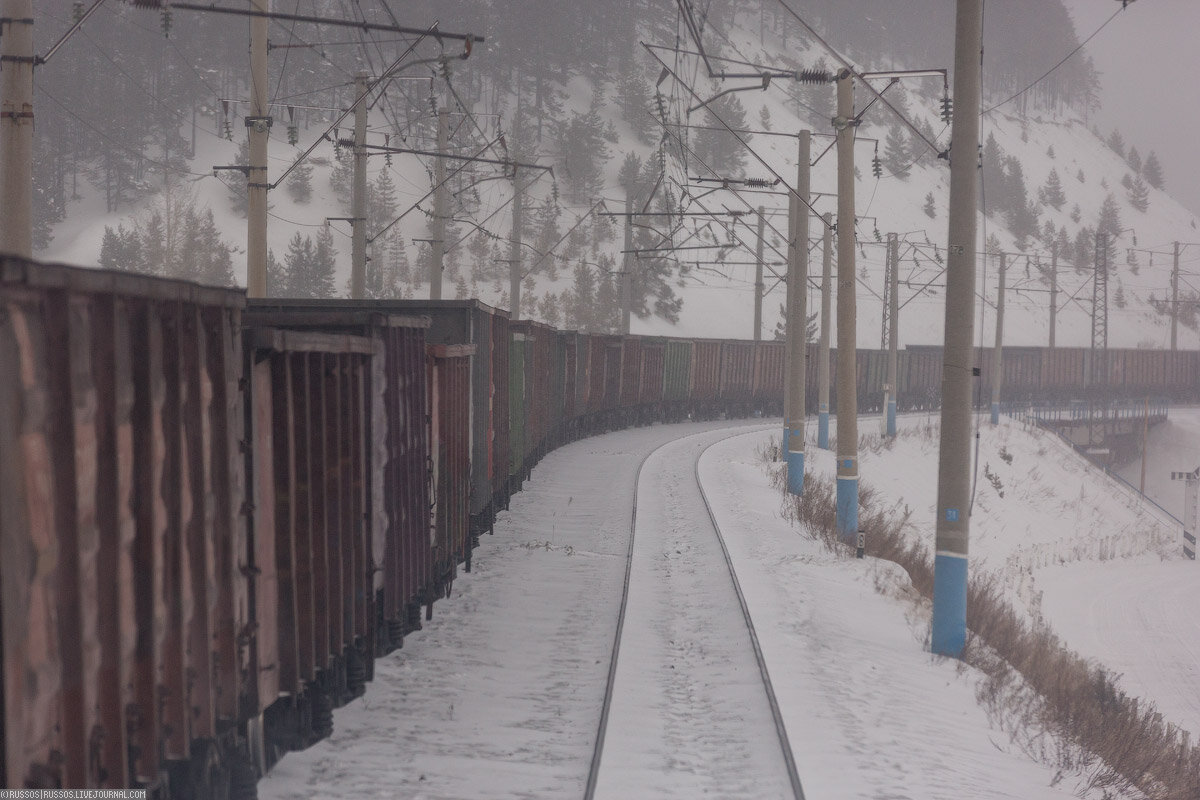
x,y
1175,301
1053,290
954,449
258,127
847,390
893,315
1191,509
440,210
823,347
758,278
998,345
627,264
1099,350
514,248
16,127
797,315
358,246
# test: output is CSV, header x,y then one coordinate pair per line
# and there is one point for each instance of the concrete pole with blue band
x,y
823,347
949,632
998,350
847,390
797,317
893,330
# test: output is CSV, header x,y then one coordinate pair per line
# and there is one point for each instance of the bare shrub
x,y
1054,704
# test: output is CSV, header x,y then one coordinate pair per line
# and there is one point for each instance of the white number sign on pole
x,y
1191,503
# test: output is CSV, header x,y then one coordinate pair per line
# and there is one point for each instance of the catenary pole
x,y
514,248
627,264
823,347
954,449
16,128
847,391
440,210
1053,291
758,277
358,243
258,126
1175,300
998,345
893,329
797,317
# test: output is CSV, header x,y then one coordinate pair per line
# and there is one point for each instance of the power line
x,y
1063,61
120,145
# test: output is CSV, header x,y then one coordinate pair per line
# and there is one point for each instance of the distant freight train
x,y
215,516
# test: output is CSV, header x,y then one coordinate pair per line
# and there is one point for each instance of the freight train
x,y
216,514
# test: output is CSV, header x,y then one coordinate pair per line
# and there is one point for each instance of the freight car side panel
x,y
653,356
631,372
769,371
516,403
677,371
737,370
265,645
706,370
450,374
569,343
224,353
595,373
501,434
29,547
613,364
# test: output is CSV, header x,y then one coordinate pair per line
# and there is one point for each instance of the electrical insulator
x,y
947,109
166,22
878,236
876,167
228,129
814,76
293,131
757,183
77,10
387,142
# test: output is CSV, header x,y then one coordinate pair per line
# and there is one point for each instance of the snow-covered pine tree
x,y
1053,191
299,184
896,152
1135,160
1152,170
1139,195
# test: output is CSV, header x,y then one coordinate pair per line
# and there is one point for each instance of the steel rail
x,y
785,744
772,701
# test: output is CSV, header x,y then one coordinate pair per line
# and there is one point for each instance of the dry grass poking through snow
x,y
1054,704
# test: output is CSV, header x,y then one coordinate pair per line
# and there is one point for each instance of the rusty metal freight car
x,y
127,637
311,561
399,485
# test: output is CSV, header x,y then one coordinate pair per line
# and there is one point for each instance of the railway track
x,y
689,707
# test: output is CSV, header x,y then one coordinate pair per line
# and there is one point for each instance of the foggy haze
x,y
1148,62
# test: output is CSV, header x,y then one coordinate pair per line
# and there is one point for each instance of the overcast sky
x,y
1149,63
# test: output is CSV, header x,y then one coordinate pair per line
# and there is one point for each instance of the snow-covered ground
x,y
500,695
1139,616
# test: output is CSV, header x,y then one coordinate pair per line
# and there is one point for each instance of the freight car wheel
x,y
396,628
202,777
356,673
243,781
322,715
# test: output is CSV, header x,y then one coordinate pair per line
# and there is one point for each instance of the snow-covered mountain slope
x,y
718,298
